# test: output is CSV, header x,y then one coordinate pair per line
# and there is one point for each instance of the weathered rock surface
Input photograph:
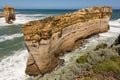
x,y
9,14
52,37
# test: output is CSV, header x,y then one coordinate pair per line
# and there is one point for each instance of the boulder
x,y
48,39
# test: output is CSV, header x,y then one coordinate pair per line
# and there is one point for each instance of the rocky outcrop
x,y
9,14
52,37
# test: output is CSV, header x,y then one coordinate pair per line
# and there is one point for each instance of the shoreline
x,y
114,30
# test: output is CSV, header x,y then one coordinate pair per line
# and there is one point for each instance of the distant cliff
x,y
52,37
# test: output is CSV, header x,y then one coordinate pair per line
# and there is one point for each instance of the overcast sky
x,y
58,4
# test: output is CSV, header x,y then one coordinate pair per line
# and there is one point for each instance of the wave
x,y
13,67
114,26
115,23
23,18
33,15
10,37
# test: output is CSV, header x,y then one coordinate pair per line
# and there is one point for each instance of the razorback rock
x,y
52,37
9,14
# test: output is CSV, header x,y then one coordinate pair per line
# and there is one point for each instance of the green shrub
x,y
69,72
97,56
116,59
101,55
116,48
117,41
82,59
108,65
102,45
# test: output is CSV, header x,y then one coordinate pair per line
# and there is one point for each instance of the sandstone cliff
x,y
9,14
52,37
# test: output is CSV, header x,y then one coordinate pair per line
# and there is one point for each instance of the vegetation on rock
x,y
103,60
108,65
100,64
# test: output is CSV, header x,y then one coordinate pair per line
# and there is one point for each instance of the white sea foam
x,y
10,37
13,67
115,26
23,18
114,29
115,23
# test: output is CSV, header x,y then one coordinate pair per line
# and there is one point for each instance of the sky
x,y
58,4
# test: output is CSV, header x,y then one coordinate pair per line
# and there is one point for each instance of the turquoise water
x,y
115,14
11,39
13,53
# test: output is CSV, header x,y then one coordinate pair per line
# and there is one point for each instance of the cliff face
x,y
52,37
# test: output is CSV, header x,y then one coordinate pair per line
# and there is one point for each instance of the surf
x,y
10,37
13,66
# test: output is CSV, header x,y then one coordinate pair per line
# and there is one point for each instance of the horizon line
x,y
56,8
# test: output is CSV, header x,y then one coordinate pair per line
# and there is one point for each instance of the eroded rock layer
x,y
52,37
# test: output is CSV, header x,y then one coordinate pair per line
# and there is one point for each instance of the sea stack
x,y
9,14
48,39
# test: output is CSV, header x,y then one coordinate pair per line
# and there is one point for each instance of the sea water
x,y
13,53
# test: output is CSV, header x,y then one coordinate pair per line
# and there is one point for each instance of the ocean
x,y
13,53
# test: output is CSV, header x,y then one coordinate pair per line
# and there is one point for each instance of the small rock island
x,y
48,39
9,14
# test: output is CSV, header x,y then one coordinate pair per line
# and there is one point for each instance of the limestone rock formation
x,y
9,14
52,37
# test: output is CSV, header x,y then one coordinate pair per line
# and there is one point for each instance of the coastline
x,y
21,18
73,67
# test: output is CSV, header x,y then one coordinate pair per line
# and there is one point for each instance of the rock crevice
x,y
52,37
